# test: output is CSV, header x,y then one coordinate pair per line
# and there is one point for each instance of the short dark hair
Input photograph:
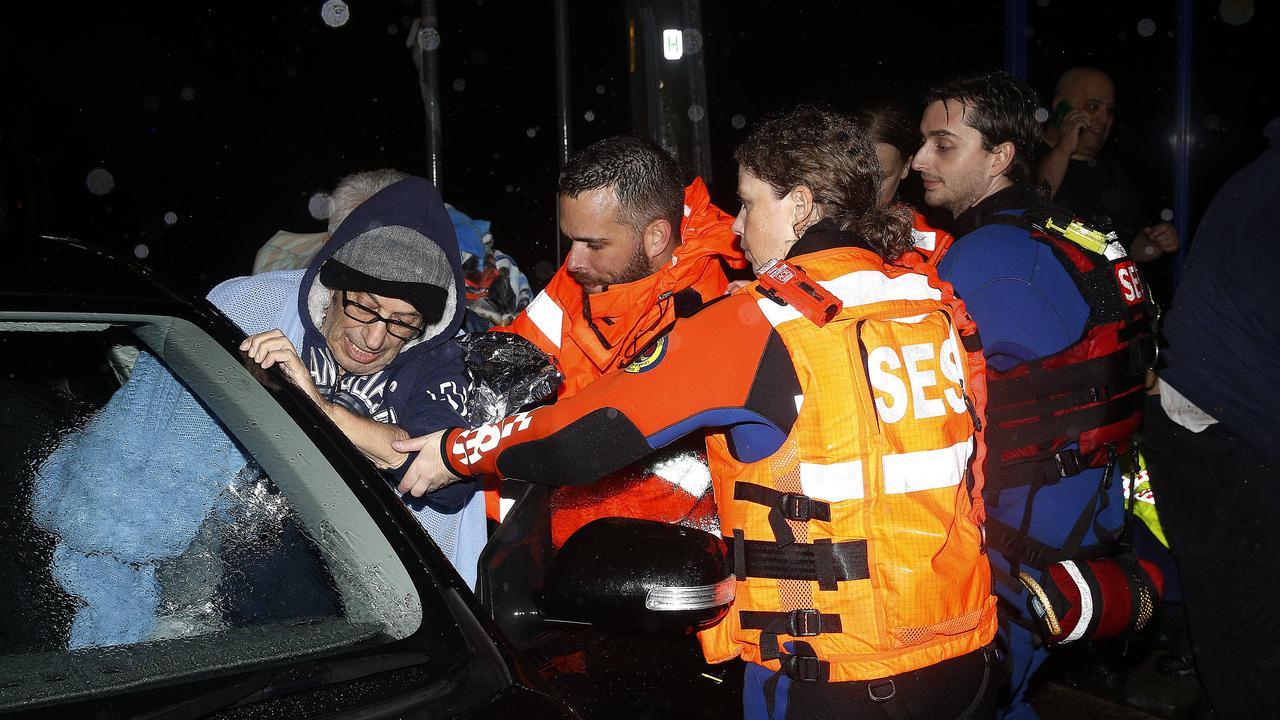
x,y
889,122
643,176
1002,109
829,153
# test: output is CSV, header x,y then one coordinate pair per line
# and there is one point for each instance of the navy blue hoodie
x,y
424,388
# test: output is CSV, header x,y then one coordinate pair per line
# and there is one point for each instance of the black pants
x,y
1219,503
962,688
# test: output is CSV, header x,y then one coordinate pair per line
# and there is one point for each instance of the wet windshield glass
x,y
154,528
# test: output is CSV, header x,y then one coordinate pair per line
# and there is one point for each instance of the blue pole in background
x,y
1015,38
1182,130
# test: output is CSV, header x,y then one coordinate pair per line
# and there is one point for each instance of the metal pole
x,y
1015,38
1182,155
563,110
428,45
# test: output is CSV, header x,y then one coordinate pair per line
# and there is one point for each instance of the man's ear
x,y
804,210
1001,158
658,238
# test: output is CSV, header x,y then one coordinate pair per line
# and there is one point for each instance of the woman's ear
x,y
804,210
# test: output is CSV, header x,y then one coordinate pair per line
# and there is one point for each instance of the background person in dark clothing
x,y
1088,181
1212,442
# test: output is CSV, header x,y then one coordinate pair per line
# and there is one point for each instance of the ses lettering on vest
x,y
1131,286
892,407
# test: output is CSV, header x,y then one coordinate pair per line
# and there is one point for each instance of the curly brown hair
x,y
832,155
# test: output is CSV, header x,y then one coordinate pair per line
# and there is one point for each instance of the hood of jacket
x,y
611,326
412,203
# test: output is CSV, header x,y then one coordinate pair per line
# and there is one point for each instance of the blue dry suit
x,y
1026,306
133,486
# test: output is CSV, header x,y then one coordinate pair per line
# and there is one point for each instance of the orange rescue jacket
x,y
859,540
628,316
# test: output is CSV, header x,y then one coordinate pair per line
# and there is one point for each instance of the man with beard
x,y
643,250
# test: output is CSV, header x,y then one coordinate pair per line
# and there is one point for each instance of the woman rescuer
x,y
837,395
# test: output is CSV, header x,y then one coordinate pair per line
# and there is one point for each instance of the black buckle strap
x,y
782,507
804,622
805,668
823,561
1068,462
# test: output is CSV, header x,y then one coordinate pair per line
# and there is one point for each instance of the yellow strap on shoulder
x,y
1082,235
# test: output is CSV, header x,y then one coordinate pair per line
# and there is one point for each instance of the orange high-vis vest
x,y
859,540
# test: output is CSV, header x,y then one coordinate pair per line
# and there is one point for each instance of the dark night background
x,y
218,121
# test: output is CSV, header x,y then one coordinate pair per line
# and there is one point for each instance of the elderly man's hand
x,y
273,348
428,472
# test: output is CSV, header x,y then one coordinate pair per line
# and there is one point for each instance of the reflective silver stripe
x,y
861,287
926,469
696,597
924,240
546,316
1086,602
833,482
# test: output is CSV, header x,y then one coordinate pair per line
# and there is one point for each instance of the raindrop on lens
x,y
1166,215
531,131
429,39
1042,115
170,218
187,93
1236,12
692,40
1146,27
599,89
738,122
100,181
318,206
141,251
335,13
589,115
459,85
696,113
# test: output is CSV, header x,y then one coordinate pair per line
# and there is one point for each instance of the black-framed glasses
x,y
368,316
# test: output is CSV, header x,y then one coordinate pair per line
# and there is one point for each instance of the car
x,y
310,590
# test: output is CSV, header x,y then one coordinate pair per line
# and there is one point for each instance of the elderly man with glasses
x,y
366,331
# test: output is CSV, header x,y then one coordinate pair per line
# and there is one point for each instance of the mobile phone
x,y
1060,112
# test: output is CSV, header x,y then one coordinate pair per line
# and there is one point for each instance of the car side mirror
x,y
640,575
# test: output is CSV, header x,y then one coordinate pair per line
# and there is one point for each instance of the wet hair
x,y
643,176
1001,109
889,122
355,189
833,156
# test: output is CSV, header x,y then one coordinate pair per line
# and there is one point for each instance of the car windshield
x,y
165,518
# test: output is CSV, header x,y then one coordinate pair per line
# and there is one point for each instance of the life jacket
x,y
1088,395
859,540
929,243
604,333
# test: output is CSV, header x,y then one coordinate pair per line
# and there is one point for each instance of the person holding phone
x,y
1082,178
